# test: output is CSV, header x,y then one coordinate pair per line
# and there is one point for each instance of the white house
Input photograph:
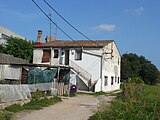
x,y
6,33
95,64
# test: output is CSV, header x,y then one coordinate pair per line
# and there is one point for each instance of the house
x,y
5,34
95,64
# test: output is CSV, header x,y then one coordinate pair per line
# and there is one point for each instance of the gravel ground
x,y
80,107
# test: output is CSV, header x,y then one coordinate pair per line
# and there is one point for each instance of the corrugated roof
x,y
76,43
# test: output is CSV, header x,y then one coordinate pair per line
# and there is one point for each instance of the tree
x,y
19,48
2,48
138,66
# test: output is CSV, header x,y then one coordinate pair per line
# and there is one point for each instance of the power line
x,y
69,23
66,20
51,20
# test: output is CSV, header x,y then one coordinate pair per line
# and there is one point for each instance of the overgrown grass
x,y
5,115
38,101
138,102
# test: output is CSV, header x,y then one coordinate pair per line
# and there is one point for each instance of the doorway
x,y
66,57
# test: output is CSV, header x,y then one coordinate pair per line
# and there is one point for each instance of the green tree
x,y
19,48
138,66
2,48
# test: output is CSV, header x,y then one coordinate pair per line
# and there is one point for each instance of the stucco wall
x,y
37,56
111,67
90,63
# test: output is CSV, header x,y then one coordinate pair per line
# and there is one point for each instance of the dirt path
x,y
75,108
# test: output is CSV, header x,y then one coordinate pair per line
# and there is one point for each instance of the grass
x,y
5,115
39,100
138,102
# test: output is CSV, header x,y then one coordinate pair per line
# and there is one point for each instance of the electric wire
x,y
52,20
69,23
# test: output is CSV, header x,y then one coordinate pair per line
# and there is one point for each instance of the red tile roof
x,y
75,43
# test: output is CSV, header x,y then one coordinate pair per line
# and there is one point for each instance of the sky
x,y
133,24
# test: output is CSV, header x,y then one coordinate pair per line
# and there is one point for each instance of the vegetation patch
x,y
38,101
5,115
137,102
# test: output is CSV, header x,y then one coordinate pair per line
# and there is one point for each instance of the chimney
x,y
50,39
39,38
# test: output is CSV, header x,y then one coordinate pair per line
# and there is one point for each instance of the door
x,y
66,57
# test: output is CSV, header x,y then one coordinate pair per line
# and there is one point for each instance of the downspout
x,y
101,72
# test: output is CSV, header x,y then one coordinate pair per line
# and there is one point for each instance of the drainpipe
x,y
101,72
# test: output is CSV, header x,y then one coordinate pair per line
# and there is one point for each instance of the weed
x,y
5,115
38,101
140,102
14,108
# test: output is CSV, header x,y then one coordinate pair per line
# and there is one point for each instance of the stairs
x,y
82,74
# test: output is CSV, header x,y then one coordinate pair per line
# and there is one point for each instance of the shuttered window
x,y
46,56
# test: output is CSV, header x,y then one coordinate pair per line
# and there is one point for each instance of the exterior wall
x,y
90,63
10,72
111,68
37,55
7,33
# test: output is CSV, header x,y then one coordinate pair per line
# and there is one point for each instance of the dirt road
x,y
75,108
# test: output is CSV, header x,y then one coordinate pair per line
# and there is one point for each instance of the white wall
x,y
37,55
10,72
90,63
111,67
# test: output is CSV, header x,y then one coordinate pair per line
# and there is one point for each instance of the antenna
x,y
50,25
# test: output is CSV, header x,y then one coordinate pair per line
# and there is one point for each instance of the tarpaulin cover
x,y
37,75
10,93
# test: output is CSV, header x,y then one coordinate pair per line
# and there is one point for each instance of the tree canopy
x,y
18,48
138,66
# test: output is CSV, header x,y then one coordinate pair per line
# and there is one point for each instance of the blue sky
x,y
133,24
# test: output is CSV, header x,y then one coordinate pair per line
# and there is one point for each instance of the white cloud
x,y
105,27
138,10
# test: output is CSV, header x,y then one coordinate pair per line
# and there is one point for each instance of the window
x,y
118,61
115,79
105,80
112,79
118,80
46,56
55,53
5,36
78,54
